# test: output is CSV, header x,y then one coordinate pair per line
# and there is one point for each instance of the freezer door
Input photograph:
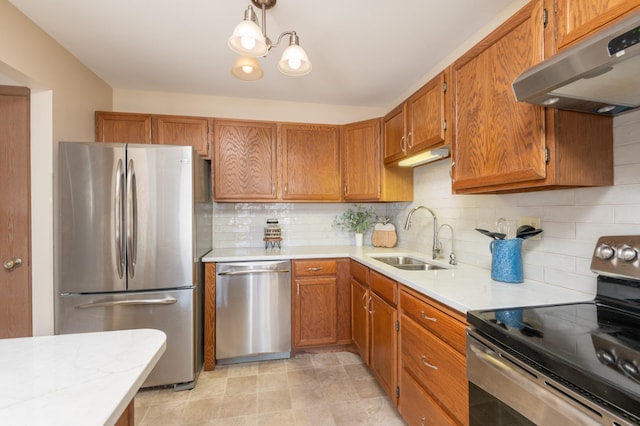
x,y
170,311
159,217
90,222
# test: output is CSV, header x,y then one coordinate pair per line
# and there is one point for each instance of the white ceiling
x,y
364,53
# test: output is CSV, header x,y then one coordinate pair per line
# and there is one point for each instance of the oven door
x,y
505,391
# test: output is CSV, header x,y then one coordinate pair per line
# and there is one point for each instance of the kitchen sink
x,y
419,267
407,263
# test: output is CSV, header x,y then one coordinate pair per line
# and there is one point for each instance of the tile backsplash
x,y
572,219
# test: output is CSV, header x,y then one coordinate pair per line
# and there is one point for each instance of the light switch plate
x,y
531,221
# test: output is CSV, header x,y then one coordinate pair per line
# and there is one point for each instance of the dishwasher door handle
x,y
253,271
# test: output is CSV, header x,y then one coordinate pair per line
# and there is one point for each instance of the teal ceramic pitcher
x,y
506,260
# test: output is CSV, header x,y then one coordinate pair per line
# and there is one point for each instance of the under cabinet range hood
x,y
599,75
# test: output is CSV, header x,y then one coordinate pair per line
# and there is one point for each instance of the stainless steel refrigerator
x,y
132,225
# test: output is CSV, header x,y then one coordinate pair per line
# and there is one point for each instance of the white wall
x,y
249,109
65,95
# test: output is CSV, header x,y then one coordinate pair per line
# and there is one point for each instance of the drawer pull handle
x,y
422,419
425,316
425,362
315,269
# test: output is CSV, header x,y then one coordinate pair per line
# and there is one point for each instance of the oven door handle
x,y
525,390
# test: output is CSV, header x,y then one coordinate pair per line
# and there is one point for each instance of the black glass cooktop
x,y
593,347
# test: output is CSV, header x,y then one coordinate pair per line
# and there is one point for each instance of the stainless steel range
x,y
573,364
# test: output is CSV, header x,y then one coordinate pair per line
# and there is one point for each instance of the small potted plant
x,y
357,220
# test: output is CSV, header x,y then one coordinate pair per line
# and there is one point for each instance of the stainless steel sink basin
x,y
407,263
417,267
400,260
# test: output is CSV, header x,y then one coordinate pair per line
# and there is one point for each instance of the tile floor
x,y
309,389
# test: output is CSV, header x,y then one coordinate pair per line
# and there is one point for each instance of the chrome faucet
x,y
407,225
452,256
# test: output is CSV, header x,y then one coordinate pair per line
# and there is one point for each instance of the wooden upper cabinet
x,y
504,145
310,162
187,131
576,19
123,127
498,139
418,124
395,143
426,121
361,165
244,161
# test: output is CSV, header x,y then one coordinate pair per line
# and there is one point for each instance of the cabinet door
x,y
426,116
314,312
497,139
244,161
361,161
395,144
383,359
187,131
360,318
417,407
310,162
123,127
575,19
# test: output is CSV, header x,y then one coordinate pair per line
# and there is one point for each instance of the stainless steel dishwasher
x,y
253,311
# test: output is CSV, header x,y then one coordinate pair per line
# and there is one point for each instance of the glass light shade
x,y
247,68
294,61
247,40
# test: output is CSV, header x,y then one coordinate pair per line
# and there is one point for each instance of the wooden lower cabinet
x,y
320,303
374,324
417,407
360,318
432,362
314,312
383,355
127,418
209,316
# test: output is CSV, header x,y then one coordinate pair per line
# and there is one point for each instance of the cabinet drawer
x,y
360,272
439,367
384,287
310,268
417,407
433,319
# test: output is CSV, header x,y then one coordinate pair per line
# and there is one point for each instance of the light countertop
x,y
75,379
463,287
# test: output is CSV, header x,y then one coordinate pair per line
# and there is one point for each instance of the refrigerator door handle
x,y
103,304
253,271
118,219
132,220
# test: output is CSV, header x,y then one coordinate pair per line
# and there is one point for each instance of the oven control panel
x,y
617,256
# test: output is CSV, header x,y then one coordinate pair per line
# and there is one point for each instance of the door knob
x,y
12,263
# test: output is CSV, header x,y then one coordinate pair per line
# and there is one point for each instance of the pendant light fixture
x,y
250,42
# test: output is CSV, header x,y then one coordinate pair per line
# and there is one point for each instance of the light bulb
x,y
294,63
248,42
247,69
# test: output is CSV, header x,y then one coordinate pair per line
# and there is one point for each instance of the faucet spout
x,y
407,225
452,256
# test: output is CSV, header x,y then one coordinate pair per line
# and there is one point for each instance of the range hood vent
x,y
600,75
